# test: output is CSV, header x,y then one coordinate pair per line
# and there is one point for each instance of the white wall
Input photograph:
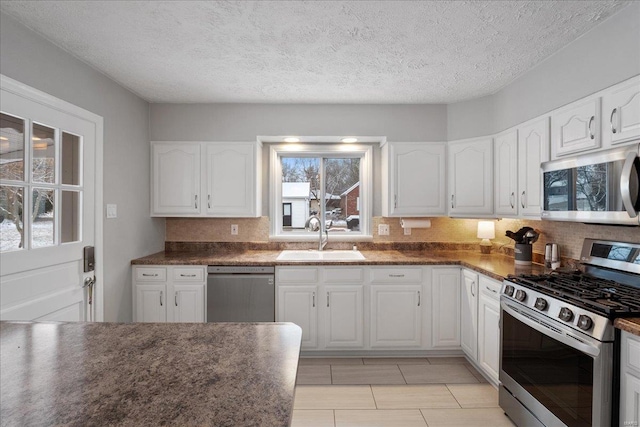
x,y
606,55
30,59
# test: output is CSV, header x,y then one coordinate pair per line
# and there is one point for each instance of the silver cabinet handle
x,y
418,298
196,201
452,201
625,182
512,199
161,299
395,201
313,299
327,299
492,290
187,275
613,112
175,298
522,200
472,293
396,275
591,134
209,200
149,275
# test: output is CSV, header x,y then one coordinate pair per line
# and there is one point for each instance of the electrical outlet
x,y
234,229
407,231
383,229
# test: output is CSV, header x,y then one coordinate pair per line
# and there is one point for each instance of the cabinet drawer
x,y
632,350
490,287
188,274
396,275
343,275
296,275
151,274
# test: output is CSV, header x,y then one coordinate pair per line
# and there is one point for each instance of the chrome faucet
x,y
314,224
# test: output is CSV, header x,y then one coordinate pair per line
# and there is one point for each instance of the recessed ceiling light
x,y
35,138
291,139
349,139
40,146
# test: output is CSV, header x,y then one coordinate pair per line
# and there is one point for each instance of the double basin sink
x,y
313,255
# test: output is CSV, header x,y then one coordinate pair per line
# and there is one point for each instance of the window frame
x,y
333,150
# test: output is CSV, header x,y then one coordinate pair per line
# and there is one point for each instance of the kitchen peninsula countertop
x,y
495,265
148,373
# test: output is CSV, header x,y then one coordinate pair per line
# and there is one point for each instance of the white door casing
x,y
45,283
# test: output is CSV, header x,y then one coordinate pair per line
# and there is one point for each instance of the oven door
x,y
551,375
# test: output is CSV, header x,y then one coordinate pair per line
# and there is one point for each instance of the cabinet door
x,y
298,304
533,149
417,179
151,303
621,113
231,179
469,314
396,315
489,334
576,128
188,303
506,173
471,177
343,320
445,307
176,179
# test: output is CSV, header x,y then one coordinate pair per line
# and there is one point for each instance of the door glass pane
x,y
70,217
591,187
11,225
301,189
11,148
42,227
342,187
43,163
70,159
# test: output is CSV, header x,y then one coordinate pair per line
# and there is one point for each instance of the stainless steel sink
x,y
313,255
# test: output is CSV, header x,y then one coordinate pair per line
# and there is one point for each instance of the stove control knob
x,y
584,322
541,304
508,290
520,295
566,314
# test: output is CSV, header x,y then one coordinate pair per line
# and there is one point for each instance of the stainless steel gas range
x,y
560,353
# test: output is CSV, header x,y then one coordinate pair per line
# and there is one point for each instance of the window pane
x,y
70,159
70,217
42,227
11,148
300,189
11,231
342,187
43,162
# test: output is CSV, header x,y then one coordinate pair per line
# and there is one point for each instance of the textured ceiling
x,y
312,51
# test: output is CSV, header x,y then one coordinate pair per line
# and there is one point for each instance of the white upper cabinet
x,y
214,179
175,178
471,177
413,175
232,179
576,127
506,173
533,149
621,113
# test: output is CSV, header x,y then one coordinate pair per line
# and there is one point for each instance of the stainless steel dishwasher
x,y
240,294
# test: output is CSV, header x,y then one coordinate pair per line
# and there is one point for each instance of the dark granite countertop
x,y
496,265
217,374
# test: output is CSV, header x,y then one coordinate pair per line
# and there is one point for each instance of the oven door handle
x,y
570,340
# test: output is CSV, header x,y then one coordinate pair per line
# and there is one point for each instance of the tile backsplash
x,y
569,236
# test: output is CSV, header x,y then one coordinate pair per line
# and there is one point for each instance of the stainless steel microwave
x,y
601,187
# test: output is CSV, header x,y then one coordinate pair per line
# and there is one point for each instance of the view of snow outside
x,y
41,233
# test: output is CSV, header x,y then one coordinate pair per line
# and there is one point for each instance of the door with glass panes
x,y
47,200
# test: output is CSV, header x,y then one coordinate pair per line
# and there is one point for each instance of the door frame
x,y
50,101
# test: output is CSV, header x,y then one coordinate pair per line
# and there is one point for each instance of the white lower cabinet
x,y
469,314
630,380
445,308
343,317
298,304
489,327
181,298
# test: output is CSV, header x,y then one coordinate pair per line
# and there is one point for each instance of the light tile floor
x,y
389,392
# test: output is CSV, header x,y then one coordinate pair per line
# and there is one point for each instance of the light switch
x,y
407,231
383,229
112,211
